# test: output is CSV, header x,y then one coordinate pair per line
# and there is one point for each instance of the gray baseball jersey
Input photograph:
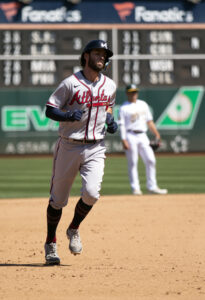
x,y
76,92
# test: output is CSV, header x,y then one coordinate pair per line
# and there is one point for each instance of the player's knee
x,y
132,164
58,203
90,195
151,162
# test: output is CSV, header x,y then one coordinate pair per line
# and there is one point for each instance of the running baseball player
x,y
134,119
83,104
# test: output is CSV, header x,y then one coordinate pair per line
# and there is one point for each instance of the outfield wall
x,y
178,114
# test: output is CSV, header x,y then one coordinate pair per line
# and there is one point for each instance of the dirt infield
x,y
148,247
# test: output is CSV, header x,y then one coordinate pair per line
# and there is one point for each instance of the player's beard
x,y
93,65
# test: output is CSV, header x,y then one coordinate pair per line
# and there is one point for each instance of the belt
x,y
135,131
84,141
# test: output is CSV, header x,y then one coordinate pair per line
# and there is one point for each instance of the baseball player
x,y
134,119
83,104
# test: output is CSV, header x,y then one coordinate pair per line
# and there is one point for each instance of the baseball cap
x,y
132,88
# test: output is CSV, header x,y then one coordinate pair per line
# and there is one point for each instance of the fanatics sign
x,y
102,12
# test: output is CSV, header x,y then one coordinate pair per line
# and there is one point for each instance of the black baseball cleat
x,y
51,254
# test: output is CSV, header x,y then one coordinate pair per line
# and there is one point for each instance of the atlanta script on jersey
x,y
93,98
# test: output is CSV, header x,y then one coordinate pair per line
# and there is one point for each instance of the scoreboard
x,y
149,55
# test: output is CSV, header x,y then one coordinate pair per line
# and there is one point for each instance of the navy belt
x,y
84,141
135,131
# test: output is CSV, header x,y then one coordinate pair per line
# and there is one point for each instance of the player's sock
x,y
81,211
53,218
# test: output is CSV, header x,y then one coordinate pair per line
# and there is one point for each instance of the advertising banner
x,y
102,12
178,114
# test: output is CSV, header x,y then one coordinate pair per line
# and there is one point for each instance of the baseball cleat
x,y
75,245
159,191
137,192
51,255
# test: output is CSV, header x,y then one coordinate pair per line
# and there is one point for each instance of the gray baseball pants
x,y
69,158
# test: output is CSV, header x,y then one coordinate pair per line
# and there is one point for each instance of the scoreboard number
x,y
148,55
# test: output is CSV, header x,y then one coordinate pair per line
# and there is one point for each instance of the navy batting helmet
x,y
96,44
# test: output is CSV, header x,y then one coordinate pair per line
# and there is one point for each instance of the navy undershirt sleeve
x,y
55,114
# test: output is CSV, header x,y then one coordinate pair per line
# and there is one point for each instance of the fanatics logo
x,y
124,9
10,9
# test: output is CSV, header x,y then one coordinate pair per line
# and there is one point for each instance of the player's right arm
x,y
57,115
57,100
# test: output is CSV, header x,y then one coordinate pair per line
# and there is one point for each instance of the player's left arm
x,y
155,144
111,124
153,129
109,110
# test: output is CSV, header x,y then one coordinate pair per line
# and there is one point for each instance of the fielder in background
x,y
134,119
83,104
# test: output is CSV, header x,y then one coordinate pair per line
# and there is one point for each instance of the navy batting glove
x,y
75,115
109,119
112,128
111,124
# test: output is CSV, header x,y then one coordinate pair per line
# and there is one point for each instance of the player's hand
x,y
75,115
112,128
111,124
109,119
155,144
125,144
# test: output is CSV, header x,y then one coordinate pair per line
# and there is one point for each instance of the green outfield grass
x,y
30,176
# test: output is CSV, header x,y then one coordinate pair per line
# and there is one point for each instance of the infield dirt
x,y
148,248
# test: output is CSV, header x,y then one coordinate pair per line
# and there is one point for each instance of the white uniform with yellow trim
x,y
80,146
133,118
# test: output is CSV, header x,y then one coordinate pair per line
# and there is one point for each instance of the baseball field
x,y
147,247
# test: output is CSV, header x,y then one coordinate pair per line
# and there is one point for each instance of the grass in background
x,y
179,174
30,176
